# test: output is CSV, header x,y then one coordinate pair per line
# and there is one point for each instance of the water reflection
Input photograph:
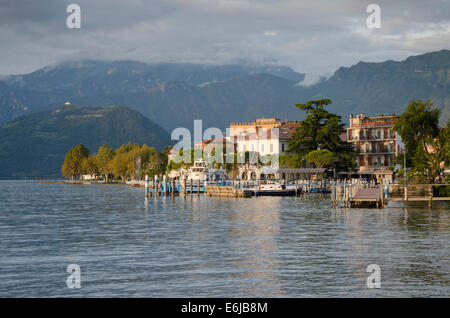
x,y
129,245
253,236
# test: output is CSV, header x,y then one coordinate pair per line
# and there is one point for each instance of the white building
x,y
269,138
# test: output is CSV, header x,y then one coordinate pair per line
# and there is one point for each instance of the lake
x,y
128,246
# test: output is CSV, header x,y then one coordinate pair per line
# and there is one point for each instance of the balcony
x,y
389,136
376,151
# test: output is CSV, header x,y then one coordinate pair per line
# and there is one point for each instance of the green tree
x,y
444,138
321,130
321,158
425,145
104,157
89,165
119,165
166,151
153,161
291,161
72,165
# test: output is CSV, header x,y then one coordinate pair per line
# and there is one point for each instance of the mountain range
x,y
173,95
35,145
36,131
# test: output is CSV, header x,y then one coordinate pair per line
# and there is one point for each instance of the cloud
x,y
312,79
313,37
270,33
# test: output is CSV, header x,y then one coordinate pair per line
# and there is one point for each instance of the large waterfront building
x,y
376,142
265,136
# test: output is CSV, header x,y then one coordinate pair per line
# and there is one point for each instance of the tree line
x,y
127,161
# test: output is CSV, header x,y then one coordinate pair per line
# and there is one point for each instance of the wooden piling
x,y
148,193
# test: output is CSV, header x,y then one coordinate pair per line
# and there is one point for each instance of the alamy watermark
x,y
254,146
74,279
74,19
373,21
374,279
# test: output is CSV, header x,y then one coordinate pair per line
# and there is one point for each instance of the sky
x,y
313,37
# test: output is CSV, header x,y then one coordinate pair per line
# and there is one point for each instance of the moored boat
x,y
199,171
275,189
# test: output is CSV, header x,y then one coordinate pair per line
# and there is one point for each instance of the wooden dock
x,y
358,195
227,191
430,200
367,196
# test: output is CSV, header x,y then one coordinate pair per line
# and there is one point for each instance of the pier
x,y
226,188
171,186
350,195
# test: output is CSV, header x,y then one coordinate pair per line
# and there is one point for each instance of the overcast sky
x,y
314,36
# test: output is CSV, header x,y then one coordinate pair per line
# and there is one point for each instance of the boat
x,y
177,173
218,175
275,189
199,171
319,190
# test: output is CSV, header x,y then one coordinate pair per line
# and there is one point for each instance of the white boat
x,y
177,173
275,189
199,171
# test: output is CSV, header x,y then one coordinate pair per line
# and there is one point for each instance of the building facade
x,y
264,136
376,142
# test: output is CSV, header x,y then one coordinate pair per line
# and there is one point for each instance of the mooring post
x,y
184,186
163,186
198,187
332,196
146,185
345,195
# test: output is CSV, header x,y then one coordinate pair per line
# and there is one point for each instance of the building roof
x,y
287,129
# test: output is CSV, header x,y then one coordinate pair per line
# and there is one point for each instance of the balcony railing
x,y
372,137
373,151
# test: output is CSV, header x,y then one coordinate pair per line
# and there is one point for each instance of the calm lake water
x,y
126,245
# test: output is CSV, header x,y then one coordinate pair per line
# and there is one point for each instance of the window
x,y
282,147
